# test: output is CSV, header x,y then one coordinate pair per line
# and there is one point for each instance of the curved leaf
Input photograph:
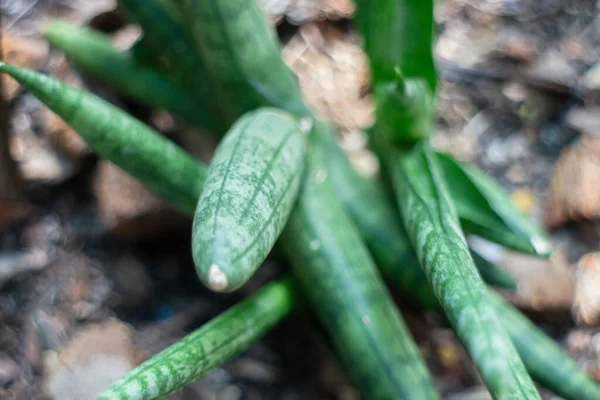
x,y
344,288
251,187
208,347
242,54
168,43
95,53
157,162
485,209
433,227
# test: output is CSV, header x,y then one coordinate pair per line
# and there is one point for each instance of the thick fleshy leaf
x,y
208,347
157,162
342,284
249,193
546,361
485,209
434,230
95,53
405,110
174,52
242,54
398,34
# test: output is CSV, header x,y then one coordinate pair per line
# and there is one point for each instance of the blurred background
x,y
96,273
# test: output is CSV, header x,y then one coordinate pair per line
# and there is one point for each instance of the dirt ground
x,y
96,273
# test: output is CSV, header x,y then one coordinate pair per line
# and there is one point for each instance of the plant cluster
x,y
279,180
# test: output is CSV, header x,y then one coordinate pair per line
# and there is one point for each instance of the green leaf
x,y
485,209
168,43
434,230
95,53
340,280
545,360
242,54
405,110
249,193
398,34
214,343
157,162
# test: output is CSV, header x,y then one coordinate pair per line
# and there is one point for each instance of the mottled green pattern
x,y
95,53
398,34
249,193
433,227
175,53
341,282
242,54
157,162
485,209
208,347
546,361
405,110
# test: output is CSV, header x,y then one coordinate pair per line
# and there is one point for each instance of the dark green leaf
x,y
174,52
157,162
242,54
94,52
485,209
398,34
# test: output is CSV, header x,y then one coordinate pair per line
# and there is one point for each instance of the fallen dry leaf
x,y
61,134
333,73
300,11
129,210
22,52
586,301
574,192
89,363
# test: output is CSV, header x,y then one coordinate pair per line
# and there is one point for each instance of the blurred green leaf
x,y
398,34
485,209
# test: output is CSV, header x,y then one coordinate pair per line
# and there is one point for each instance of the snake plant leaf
x,y
374,215
340,280
405,110
485,209
546,361
209,346
157,162
434,230
398,34
95,53
250,190
242,54
174,52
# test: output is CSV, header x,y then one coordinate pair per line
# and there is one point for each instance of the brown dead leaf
x,y
129,210
543,285
333,73
61,134
22,52
586,301
301,11
574,192
88,364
